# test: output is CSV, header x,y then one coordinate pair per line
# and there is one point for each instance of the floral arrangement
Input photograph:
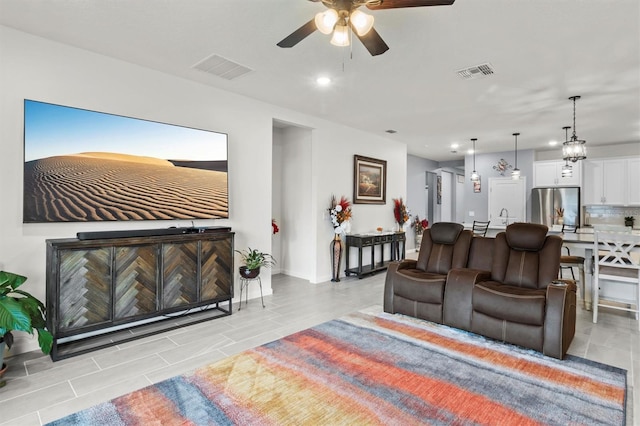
x,y
400,211
274,227
420,225
340,212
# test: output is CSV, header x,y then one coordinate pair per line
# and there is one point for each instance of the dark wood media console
x,y
106,291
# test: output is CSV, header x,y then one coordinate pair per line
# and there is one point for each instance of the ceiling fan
x,y
343,15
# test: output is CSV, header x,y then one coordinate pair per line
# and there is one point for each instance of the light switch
x,y
472,213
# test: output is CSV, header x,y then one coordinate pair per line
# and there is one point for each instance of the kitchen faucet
x,y
505,221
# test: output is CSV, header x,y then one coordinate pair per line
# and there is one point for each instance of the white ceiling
x,y
543,51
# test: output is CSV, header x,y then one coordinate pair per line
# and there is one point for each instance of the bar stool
x,y
480,228
569,262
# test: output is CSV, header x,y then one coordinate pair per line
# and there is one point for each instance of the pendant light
x,y
515,174
567,170
574,149
475,177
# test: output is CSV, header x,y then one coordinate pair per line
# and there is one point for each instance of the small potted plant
x,y
20,311
253,260
628,220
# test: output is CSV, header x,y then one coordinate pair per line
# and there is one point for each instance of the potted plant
x,y
20,311
253,260
628,220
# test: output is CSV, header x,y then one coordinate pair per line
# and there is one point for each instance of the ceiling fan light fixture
x,y
325,21
361,22
340,35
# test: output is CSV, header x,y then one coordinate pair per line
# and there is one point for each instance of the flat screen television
x,y
82,166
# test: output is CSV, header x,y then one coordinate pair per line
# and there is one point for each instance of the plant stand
x,y
244,285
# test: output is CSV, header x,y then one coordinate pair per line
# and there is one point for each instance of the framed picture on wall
x,y
369,180
439,190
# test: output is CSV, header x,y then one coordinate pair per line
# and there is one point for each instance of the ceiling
x,y
542,52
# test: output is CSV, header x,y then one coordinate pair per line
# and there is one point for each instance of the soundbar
x,y
129,233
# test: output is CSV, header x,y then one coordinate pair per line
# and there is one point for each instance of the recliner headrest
x,y
526,236
445,232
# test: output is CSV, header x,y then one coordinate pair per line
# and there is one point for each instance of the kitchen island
x,y
584,242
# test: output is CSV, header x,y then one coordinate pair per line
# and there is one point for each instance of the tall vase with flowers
x,y
400,213
340,214
419,226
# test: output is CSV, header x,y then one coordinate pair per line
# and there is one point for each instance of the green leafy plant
x,y
254,259
21,311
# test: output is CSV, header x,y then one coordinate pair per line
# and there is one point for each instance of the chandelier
x,y
567,170
574,149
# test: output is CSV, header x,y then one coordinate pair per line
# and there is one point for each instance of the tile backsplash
x,y
610,215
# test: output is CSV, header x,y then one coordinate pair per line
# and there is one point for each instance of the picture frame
x,y
439,190
369,180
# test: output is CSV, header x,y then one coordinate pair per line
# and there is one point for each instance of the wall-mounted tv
x,y
82,165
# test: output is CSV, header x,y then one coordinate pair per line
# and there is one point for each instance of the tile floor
x,y
39,391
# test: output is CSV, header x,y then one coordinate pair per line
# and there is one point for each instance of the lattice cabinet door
x,y
216,262
136,281
85,288
180,274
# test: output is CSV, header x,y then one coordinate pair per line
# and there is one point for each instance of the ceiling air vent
x,y
477,71
221,67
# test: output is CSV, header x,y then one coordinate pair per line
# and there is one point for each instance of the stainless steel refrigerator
x,y
555,206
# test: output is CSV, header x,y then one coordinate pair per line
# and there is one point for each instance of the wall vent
x,y
477,71
221,67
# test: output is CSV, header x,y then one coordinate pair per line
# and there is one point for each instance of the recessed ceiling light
x,y
323,81
553,143
454,145
470,151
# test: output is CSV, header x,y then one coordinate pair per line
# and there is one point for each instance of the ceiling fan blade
x,y
396,4
298,35
373,42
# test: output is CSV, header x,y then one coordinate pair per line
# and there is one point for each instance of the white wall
x,y
35,68
276,199
296,197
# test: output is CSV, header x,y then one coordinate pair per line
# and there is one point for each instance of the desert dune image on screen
x,y
82,165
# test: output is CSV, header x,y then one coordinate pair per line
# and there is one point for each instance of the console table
x,y
99,290
377,243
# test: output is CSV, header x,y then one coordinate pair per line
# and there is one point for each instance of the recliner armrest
x,y
406,264
392,270
457,307
560,318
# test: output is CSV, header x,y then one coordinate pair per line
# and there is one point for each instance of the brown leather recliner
x,y
416,288
520,304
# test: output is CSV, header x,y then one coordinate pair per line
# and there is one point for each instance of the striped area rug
x,y
377,369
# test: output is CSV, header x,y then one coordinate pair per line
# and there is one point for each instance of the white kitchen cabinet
x,y
606,182
549,173
633,181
